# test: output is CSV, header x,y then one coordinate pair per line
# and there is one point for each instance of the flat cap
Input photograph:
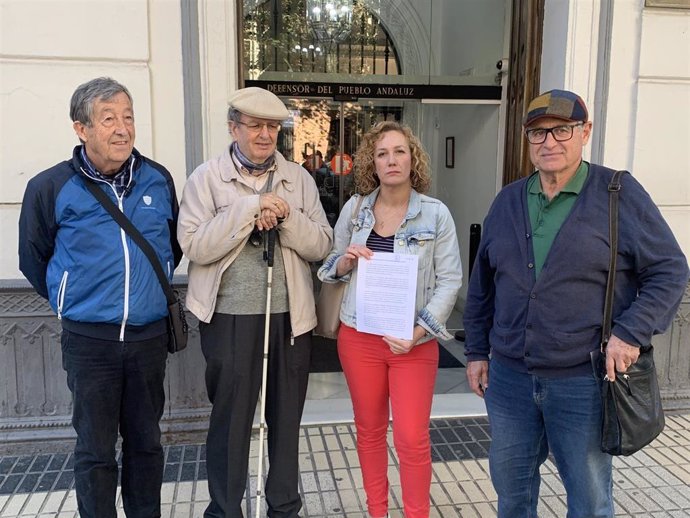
x,y
257,102
559,104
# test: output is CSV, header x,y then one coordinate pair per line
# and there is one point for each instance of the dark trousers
x,y
116,386
233,347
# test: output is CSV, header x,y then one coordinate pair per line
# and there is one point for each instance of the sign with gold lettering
x,y
353,92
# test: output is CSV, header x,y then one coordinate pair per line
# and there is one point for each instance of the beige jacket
x,y
217,215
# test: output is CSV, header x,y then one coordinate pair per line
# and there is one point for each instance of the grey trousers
x,y
233,348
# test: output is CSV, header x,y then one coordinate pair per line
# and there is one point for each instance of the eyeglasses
x,y
560,133
253,127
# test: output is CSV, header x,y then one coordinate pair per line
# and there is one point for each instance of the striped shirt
x,y
380,244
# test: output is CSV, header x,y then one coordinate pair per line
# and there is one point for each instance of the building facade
x,y
441,66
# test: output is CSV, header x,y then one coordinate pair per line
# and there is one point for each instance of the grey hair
x,y
84,97
234,115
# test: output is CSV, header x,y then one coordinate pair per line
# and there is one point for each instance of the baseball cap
x,y
559,104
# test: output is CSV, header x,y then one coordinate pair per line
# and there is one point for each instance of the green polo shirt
x,y
546,217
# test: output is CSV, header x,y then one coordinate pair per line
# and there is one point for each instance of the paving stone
x,y
472,491
342,479
326,481
308,479
441,472
46,480
659,498
485,510
313,504
456,495
14,505
171,472
320,460
666,476
52,503
33,504
350,501
438,495
550,507
191,453
676,496
6,465
316,443
168,493
40,463
337,459
653,483
184,491
331,503
65,481
22,464
188,471
11,483
634,502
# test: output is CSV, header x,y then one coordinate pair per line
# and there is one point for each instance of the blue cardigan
x,y
548,325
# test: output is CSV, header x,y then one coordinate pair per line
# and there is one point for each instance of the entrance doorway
x,y
462,138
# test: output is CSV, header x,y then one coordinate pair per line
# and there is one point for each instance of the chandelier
x,y
329,20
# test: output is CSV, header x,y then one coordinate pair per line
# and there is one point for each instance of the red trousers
x,y
375,377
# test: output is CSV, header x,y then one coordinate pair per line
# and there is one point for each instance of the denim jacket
x,y
427,231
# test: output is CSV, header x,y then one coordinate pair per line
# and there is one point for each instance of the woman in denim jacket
x,y
392,173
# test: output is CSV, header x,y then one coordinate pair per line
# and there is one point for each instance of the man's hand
x,y
619,356
267,220
478,376
273,210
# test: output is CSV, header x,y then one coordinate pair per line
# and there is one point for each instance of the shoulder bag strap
x,y
360,197
614,189
136,236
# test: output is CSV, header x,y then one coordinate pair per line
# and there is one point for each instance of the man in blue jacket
x,y
535,306
105,292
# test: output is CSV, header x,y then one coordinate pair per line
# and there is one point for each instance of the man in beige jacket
x,y
228,205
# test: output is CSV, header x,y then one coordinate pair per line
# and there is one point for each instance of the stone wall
x,y
35,403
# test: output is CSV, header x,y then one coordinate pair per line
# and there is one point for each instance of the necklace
x,y
389,215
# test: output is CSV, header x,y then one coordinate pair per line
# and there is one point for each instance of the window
x,y
303,37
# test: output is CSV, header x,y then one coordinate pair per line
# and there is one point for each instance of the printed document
x,y
386,290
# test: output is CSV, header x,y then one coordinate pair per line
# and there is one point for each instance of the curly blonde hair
x,y
365,169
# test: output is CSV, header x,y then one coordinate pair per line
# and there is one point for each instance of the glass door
x,y
323,136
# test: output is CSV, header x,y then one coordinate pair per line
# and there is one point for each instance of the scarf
x,y
252,167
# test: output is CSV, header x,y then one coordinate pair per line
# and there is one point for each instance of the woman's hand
x,y
400,346
347,261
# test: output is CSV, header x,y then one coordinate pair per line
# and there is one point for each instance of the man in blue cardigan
x,y
535,307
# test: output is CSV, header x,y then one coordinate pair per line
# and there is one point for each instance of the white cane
x,y
264,370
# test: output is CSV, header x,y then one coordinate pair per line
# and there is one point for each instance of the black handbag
x,y
177,322
632,415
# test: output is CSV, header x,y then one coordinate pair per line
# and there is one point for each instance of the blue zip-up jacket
x,y
548,325
74,254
